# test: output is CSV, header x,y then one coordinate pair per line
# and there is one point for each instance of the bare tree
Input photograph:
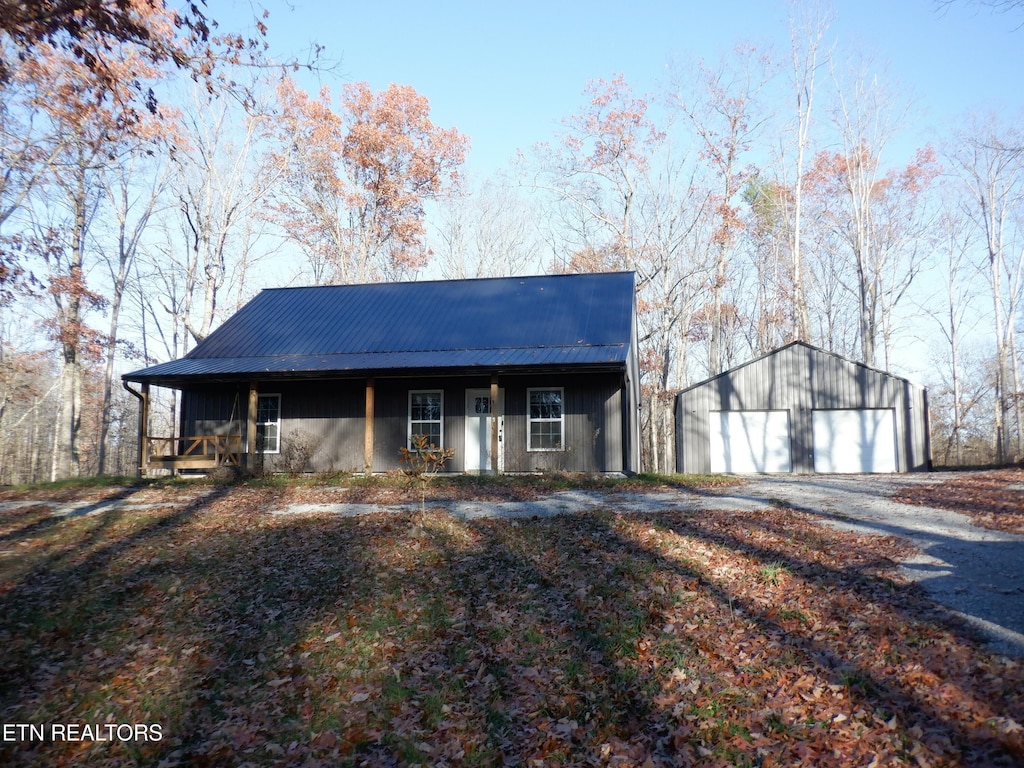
x,y
722,105
994,180
27,398
26,150
594,171
676,214
489,232
880,216
957,238
777,299
133,190
218,184
63,246
808,25
865,129
1002,6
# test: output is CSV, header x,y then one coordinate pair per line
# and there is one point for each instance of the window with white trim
x,y
426,412
545,420
268,424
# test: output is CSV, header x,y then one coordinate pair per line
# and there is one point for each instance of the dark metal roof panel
x,y
520,321
548,310
797,345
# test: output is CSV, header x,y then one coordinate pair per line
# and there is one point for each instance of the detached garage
x,y
802,409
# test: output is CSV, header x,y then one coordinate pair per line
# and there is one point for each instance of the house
x,y
802,409
515,374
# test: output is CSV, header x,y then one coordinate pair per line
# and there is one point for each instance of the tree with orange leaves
x,y
597,173
93,34
96,35
879,222
82,137
721,104
356,179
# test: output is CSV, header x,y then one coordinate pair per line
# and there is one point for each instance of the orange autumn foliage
x,y
358,176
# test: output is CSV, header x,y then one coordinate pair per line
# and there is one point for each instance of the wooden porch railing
x,y
197,452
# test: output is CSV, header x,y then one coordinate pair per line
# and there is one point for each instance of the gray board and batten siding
x,y
802,382
328,418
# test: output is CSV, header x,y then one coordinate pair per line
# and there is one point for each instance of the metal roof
x,y
515,322
772,353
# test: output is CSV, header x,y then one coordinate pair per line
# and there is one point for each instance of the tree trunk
x,y
715,354
1001,403
108,373
654,428
1016,396
108,376
32,473
954,352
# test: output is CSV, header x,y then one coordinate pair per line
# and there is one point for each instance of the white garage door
x,y
854,441
750,441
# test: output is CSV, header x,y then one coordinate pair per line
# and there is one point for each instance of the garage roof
x,y
775,352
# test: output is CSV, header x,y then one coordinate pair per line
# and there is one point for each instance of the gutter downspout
x,y
143,408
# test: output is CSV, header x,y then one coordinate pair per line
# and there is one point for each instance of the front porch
x,y
214,439
193,452
196,452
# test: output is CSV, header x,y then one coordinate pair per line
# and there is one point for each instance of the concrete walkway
x,y
558,503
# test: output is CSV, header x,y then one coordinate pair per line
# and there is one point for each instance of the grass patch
x,y
685,480
95,482
773,573
385,487
417,639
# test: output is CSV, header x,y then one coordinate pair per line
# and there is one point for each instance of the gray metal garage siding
x,y
800,378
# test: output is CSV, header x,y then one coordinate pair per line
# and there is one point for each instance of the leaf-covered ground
x,y
993,499
677,639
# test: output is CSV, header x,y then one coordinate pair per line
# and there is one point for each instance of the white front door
x,y
478,429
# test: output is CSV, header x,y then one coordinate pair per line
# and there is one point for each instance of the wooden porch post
x,y
144,430
368,429
250,428
494,423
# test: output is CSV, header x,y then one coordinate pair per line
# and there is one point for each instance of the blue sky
x,y
506,74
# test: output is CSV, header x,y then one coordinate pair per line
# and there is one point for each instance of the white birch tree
x,y
991,168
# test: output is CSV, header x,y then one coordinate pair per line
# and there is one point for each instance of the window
x,y
425,413
268,424
545,422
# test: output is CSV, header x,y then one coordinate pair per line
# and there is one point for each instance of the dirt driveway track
x,y
975,572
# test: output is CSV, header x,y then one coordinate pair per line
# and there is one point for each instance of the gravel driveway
x,y
975,572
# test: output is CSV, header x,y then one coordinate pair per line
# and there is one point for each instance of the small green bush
x,y
422,462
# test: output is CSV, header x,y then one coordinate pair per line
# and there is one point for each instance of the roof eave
x,y
182,382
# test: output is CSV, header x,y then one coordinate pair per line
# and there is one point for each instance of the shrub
x,y
422,462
